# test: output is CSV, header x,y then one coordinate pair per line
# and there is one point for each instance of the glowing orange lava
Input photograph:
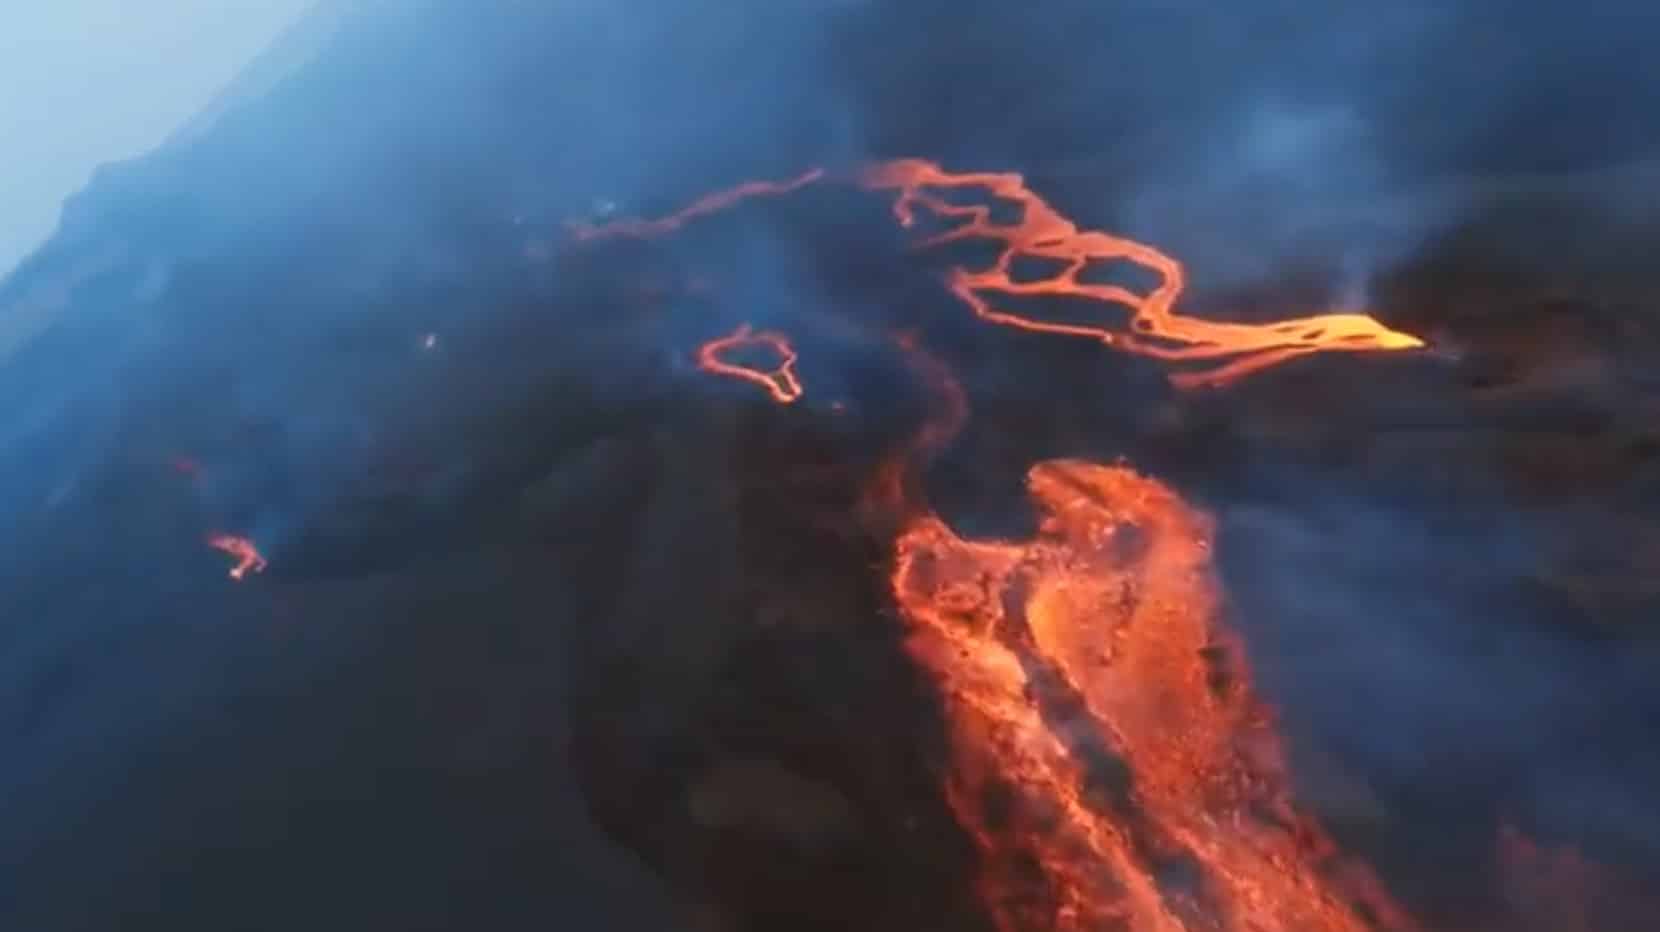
x,y
709,204
248,558
780,382
1233,350
1222,351
1108,756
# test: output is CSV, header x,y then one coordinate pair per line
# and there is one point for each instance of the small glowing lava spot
x,y
780,381
248,557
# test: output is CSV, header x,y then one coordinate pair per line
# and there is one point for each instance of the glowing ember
x,y
248,558
780,382
713,203
1108,756
1040,232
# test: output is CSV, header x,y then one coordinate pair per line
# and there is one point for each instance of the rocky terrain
x,y
559,631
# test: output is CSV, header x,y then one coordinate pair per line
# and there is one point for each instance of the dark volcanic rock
x,y
559,632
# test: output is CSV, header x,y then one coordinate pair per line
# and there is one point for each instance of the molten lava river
x,y
1108,756
1110,760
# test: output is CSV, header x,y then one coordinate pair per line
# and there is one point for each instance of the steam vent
x,y
819,465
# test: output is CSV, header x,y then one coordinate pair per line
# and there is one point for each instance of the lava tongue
x,y
1099,762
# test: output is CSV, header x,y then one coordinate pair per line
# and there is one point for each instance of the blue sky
x,y
84,82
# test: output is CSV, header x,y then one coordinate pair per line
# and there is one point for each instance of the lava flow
x,y
248,558
1222,352
708,204
1155,329
1107,754
780,382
